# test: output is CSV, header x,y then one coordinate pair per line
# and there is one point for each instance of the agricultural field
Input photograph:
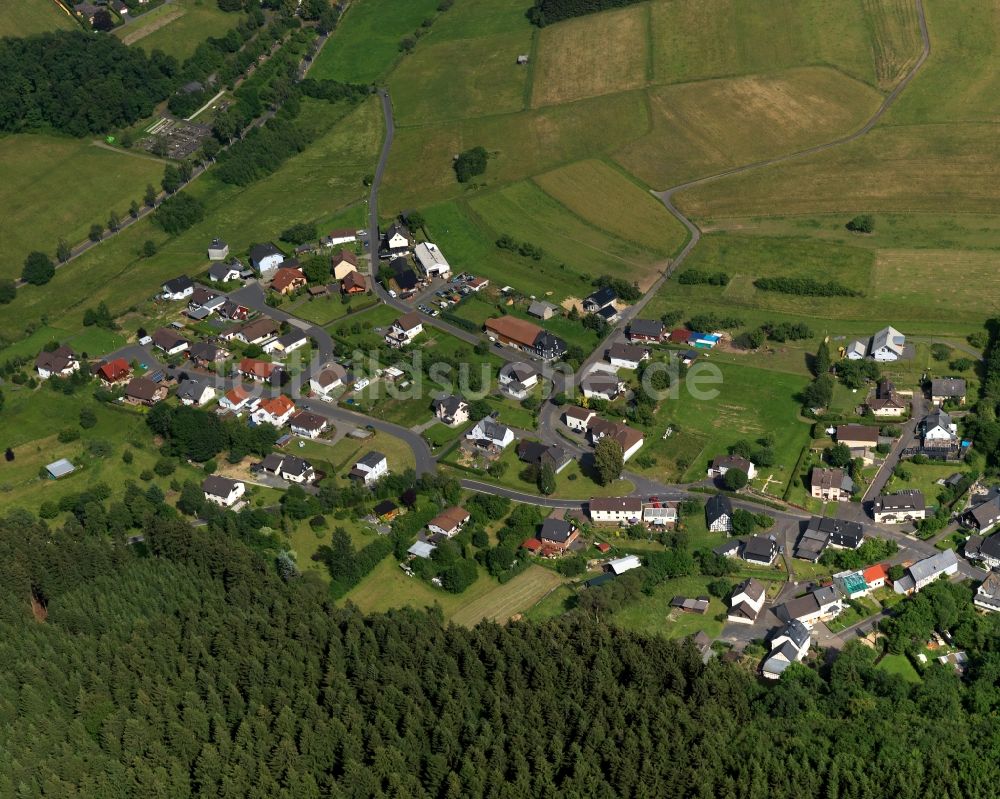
x,y
368,37
592,55
178,28
115,273
41,205
706,127
33,16
871,40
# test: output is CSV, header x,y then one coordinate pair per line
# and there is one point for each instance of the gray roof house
x,y
542,310
925,571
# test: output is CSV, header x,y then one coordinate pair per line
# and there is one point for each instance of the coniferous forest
x,y
187,668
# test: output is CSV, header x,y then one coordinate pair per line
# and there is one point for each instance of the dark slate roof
x,y
602,297
718,506
557,530
795,630
295,465
218,486
646,327
758,547
182,283
372,459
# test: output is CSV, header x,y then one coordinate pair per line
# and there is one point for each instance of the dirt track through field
x,y
143,32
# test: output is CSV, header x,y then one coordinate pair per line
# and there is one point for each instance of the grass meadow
x,y
115,273
33,16
177,29
57,187
368,37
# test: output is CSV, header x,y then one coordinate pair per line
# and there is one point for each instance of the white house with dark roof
x,y
988,594
899,508
578,419
404,330
452,410
488,433
723,463
602,385
266,258
746,601
218,250
615,510
719,514
789,645
60,362
168,341
370,469
224,272
223,491
195,392
646,330
948,388
518,379
627,356
308,424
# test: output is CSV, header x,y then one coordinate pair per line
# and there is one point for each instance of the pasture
x,y
177,29
705,127
607,199
871,40
28,17
116,274
367,40
56,187
592,55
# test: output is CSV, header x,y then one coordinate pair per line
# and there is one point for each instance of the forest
x,y
79,83
186,667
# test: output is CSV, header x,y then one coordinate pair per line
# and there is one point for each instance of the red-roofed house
x,y
238,399
875,576
354,283
680,335
276,411
116,371
257,370
288,280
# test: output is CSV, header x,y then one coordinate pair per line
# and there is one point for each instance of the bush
x,y
146,475
300,233
8,291
940,352
691,277
38,269
165,466
805,287
863,223
735,479
68,435
176,214
470,163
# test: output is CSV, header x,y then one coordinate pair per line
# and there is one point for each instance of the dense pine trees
x,y
191,670
545,12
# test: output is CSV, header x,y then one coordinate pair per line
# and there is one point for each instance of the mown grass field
x,y
114,272
705,127
592,55
871,40
652,614
367,39
901,666
56,187
177,29
33,16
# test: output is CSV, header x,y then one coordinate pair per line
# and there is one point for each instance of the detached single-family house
x,y
719,514
224,272
627,356
396,241
603,385
288,342
195,392
222,491
899,508
404,330
646,331
370,469
286,281
987,552
179,288
660,514
218,250
258,331
578,419
449,522
253,369
61,362
823,531
600,299
308,424
760,550
948,388
142,391
275,410
328,378
886,402
167,340
265,258
830,485
888,345
354,283
875,576
538,454
746,601
628,438
114,372
856,350
204,302
924,572
452,410
518,379
338,237
289,467
857,436
557,535
723,463
988,594
984,515
525,335
820,604
789,645
344,262
489,434
431,260
939,429
615,510
238,399
234,311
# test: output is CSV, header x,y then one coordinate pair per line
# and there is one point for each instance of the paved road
x,y
521,496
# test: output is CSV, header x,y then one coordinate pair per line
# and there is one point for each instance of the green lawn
x,y
924,477
114,272
651,614
851,616
366,43
41,205
511,413
34,16
324,311
346,452
901,666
